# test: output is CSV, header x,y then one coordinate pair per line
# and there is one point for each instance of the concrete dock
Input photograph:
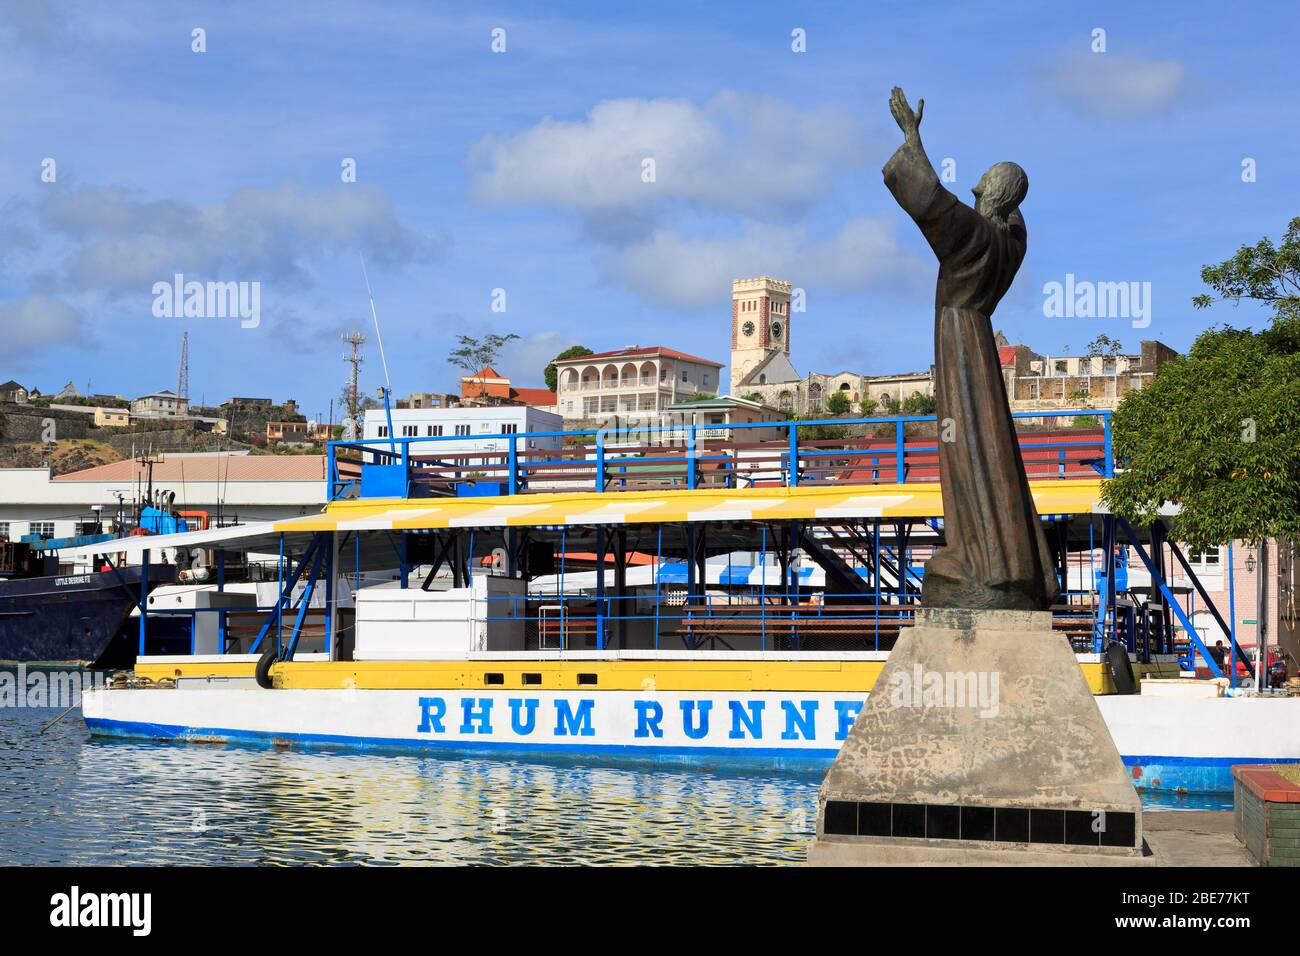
x,y
1194,838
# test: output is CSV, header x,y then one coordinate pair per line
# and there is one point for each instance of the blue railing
x,y
688,456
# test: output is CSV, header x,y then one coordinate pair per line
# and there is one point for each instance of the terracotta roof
x,y
210,468
639,352
534,396
487,372
1007,355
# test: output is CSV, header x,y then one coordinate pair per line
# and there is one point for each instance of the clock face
x,y
748,328
776,330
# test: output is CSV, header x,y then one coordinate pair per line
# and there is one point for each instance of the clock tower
x,y
760,327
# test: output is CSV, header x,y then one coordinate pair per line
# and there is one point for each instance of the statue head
x,y
1000,190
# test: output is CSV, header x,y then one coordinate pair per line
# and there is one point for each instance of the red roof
x,y
639,352
484,373
1007,355
534,396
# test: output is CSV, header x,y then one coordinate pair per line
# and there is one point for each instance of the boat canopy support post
x,y
1158,580
286,589
602,612
331,595
620,585
144,597
1237,652
221,614
305,601
1106,593
449,552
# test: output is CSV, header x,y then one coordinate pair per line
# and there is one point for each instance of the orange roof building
x,y
489,384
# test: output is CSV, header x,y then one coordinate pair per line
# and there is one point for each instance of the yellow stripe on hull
x,y
674,675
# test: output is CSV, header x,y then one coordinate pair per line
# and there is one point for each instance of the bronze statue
x,y
995,554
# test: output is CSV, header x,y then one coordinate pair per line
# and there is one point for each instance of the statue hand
x,y
907,121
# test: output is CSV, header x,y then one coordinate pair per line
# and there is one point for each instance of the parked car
x,y
1277,667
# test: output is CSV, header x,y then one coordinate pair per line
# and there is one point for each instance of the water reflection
x,y
68,799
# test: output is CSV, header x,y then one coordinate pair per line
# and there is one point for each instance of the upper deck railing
x,y
781,454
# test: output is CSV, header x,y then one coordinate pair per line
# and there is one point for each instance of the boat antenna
x,y
388,385
375,315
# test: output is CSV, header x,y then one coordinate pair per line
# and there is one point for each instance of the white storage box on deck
x,y
410,624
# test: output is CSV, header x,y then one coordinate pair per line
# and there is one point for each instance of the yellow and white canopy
x,y
827,502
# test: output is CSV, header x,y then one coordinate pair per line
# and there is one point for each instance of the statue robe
x,y
995,555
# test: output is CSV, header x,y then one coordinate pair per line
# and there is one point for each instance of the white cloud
x,y
749,168
1116,85
121,242
524,360
691,273
35,323
737,152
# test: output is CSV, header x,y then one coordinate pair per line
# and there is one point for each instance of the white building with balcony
x,y
635,383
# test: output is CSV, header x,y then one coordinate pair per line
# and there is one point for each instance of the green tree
x,y
1218,432
1103,345
1263,273
838,404
819,432
475,355
551,373
912,405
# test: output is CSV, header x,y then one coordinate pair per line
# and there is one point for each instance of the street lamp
x,y
1250,563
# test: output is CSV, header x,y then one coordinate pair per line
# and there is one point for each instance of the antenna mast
x,y
352,426
183,376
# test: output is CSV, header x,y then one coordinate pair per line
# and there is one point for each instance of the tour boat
x,y
709,602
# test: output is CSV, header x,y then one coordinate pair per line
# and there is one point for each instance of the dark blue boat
x,y
69,617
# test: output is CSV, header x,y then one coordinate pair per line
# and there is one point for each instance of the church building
x,y
762,320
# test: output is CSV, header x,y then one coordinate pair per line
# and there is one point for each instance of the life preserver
x,y
262,674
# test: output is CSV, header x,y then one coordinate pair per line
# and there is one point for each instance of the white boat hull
x,y
1170,743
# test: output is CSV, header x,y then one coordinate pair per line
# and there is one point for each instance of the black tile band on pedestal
x,y
990,824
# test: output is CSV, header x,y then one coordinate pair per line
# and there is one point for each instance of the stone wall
x,y
27,423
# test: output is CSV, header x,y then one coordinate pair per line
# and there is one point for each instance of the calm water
x,y
68,799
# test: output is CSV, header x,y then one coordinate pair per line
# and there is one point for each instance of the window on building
x,y
4,528
510,428
433,431
383,431
410,431
44,528
1204,557
684,376
705,380
462,429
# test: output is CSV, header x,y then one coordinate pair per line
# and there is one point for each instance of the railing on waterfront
x,y
679,455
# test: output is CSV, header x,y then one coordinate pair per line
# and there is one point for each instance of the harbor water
x,y
66,798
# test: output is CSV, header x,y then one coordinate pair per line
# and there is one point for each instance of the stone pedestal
x,y
979,744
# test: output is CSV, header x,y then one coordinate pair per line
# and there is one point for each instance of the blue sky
x,y
521,171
